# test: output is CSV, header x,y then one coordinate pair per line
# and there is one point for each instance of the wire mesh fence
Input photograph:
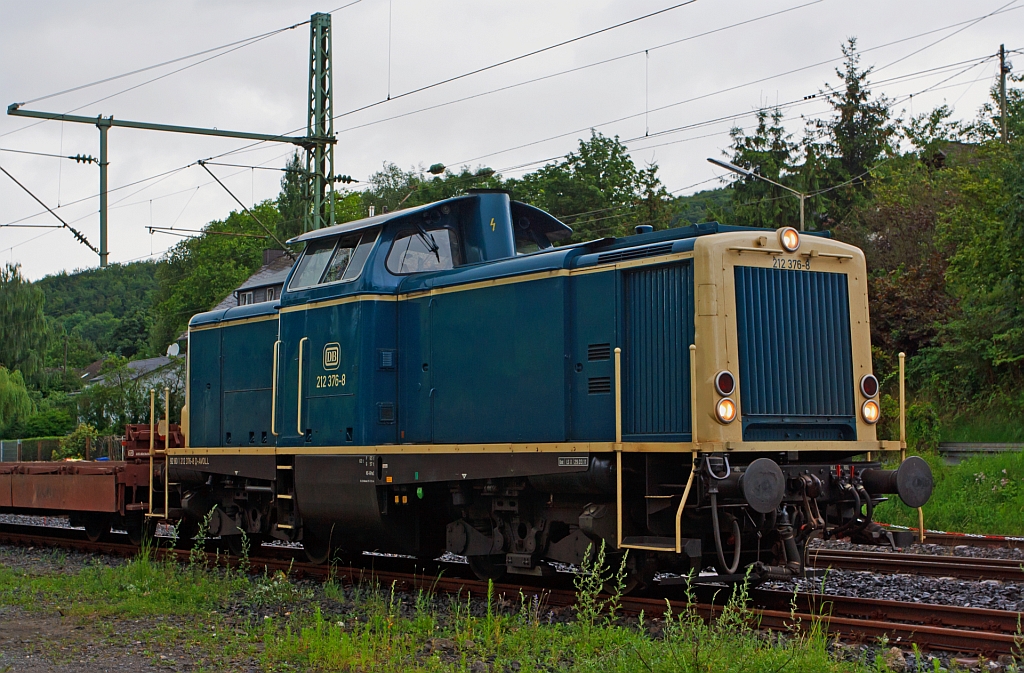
x,y
15,450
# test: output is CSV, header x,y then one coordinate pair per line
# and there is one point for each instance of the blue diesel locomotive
x,y
444,378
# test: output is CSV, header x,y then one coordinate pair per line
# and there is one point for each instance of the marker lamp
x,y
869,385
725,383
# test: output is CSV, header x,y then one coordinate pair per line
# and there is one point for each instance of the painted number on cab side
x,y
795,264
330,381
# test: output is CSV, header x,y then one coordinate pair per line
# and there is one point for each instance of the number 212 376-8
x,y
330,381
795,264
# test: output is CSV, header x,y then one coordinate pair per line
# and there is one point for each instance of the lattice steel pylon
x,y
319,186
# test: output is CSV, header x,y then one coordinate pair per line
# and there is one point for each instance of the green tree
x,y
291,201
769,152
15,402
51,422
988,125
117,289
119,399
392,188
857,135
23,332
130,338
200,272
982,349
597,190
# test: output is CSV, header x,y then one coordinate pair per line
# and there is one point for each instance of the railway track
x,y
931,627
949,539
962,567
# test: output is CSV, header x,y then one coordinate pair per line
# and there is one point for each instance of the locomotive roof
x,y
366,222
546,223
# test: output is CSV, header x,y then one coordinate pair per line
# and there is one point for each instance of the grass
x,y
983,428
984,494
224,620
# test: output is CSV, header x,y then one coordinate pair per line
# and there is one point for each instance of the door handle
x,y
273,391
298,418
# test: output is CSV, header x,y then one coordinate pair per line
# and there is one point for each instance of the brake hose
x,y
711,473
729,569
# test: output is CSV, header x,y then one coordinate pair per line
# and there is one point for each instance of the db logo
x,y
332,356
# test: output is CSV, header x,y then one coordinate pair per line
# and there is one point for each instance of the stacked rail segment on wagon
x,y
95,494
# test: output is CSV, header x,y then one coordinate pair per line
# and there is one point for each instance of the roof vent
x,y
643,229
635,253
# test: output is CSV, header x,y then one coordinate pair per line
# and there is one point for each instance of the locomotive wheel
x,y
139,527
233,543
187,530
487,567
96,526
317,551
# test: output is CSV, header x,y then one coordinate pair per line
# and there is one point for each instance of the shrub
x,y
45,423
73,446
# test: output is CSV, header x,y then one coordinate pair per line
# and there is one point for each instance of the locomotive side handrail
x,y
273,391
152,447
694,453
298,414
618,446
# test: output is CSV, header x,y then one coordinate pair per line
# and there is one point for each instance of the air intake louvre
x,y
656,351
796,362
596,352
635,253
599,385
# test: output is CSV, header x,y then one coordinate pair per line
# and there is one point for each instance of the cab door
x,y
293,356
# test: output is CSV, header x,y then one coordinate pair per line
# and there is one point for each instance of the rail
x,y
933,565
930,626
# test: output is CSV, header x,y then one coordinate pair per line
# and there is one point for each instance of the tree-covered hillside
x,y
936,205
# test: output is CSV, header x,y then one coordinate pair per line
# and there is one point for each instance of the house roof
x,y
274,273
138,368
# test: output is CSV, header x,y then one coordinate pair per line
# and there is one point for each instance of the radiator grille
x,y
659,331
599,385
796,363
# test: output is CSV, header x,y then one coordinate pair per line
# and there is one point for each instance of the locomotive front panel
x,y
791,329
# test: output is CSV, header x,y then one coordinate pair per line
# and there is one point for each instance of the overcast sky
x,y
262,87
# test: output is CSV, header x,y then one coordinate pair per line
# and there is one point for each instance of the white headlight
x,y
790,239
725,410
870,411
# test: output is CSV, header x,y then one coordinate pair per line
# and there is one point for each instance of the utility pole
x,y
105,123
318,142
751,174
319,187
1003,71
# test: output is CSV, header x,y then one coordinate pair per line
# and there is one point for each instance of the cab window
x,y
416,252
331,260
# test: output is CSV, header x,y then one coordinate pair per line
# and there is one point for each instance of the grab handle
x,y
273,391
298,418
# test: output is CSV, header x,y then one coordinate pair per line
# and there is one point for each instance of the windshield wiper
x,y
428,240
